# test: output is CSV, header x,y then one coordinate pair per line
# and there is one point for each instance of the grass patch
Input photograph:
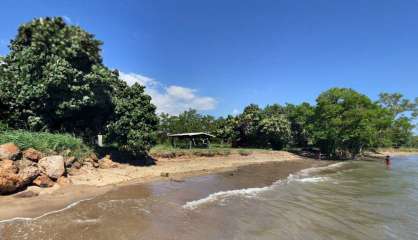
x,y
48,143
167,151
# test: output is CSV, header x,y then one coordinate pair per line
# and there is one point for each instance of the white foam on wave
x,y
246,192
45,214
302,176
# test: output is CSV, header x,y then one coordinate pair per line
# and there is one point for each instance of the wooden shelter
x,y
194,139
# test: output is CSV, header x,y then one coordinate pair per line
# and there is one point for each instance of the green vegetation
x,y
53,79
47,142
342,124
167,151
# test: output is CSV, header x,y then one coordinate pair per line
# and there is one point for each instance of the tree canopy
x,y
53,79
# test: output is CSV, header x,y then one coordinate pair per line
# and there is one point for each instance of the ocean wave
x,y
45,214
303,176
246,192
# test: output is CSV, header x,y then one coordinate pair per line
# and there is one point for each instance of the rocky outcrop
x,y
52,166
32,154
29,169
9,151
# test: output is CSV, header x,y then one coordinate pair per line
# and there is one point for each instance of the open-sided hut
x,y
195,139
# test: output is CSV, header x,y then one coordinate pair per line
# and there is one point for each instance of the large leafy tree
x,y
346,122
404,112
54,79
135,122
301,118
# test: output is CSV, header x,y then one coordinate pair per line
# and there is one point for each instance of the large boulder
x,y
28,174
9,151
9,180
32,154
52,166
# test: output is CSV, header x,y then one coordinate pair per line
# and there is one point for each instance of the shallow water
x,y
350,200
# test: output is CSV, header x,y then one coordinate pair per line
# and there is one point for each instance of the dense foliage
x,y
53,79
342,124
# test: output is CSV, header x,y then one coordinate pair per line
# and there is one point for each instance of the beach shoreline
x,y
90,183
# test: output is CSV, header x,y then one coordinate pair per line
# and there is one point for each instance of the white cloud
x,y
235,112
67,19
170,99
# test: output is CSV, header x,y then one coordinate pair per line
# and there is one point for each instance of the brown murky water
x,y
352,200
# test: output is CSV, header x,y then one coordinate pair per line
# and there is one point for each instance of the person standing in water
x,y
387,160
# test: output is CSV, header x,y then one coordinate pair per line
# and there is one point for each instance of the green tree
x,y
301,118
135,122
346,122
401,132
397,104
275,131
53,79
247,126
404,112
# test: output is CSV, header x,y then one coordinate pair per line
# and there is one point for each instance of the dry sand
x,y
176,168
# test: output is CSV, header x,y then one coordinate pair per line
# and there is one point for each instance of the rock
x,y
32,154
63,181
43,181
9,151
24,163
69,161
95,164
8,167
28,174
53,166
164,174
76,165
94,157
106,162
9,183
9,180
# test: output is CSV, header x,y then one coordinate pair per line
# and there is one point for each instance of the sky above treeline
x,y
218,56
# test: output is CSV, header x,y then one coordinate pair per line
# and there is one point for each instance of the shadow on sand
x,y
125,157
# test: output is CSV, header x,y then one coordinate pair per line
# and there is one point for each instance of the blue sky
x,y
220,55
